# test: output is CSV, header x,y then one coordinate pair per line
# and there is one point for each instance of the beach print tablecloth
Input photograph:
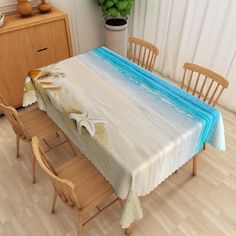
x,y
150,129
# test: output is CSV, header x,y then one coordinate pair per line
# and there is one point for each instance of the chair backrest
x,y
203,83
64,188
3,101
142,53
12,116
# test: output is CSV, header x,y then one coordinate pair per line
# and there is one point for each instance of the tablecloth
x,y
152,128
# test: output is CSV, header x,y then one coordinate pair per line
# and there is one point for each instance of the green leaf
x,y
104,7
109,3
123,13
114,8
100,2
106,13
122,5
129,6
113,12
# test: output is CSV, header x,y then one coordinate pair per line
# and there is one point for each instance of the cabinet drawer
x,y
49,42
15,51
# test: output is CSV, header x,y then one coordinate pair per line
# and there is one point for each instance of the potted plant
x,y
116,13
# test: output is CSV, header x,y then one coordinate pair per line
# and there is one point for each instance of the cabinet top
x,y
15,21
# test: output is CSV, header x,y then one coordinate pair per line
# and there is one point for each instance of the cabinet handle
x,y
42,49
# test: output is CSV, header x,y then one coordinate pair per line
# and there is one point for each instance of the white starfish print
x,y
87,121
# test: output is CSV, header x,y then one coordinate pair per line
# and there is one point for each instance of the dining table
x,y
135,128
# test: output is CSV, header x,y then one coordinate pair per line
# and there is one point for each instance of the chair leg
x,y
128,231
80,225
17,146
54,200
33,170
195,165
204,146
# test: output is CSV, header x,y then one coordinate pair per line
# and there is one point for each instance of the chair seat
x,y
37,123
91,187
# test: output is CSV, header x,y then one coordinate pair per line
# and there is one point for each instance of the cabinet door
x,y
15,50
49,42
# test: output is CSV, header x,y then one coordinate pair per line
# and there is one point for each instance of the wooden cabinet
x,y
27,44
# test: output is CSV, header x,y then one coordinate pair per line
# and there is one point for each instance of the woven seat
x,y
37,123
91,188
78,184
30,123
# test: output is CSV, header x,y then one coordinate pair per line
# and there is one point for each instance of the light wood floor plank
x,y
182,205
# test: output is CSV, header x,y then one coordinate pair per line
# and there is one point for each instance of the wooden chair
x,y
142,53
30,123
78,184
206,85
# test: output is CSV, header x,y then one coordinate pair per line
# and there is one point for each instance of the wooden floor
x,y
182,205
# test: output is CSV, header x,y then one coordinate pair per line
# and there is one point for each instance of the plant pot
x,y
24,8
116,35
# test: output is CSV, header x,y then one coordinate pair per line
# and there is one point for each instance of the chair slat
x,y
190,81
151,62
196,84
130,51
203,86
217,98
135,48
208,90
149,53
183,80
139,56
148,58
209,75
13,117
2,100
144,55
214,93
152,65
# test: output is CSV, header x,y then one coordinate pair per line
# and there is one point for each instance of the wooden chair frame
x,y
63,188
21,133
212,95
142,53
12,116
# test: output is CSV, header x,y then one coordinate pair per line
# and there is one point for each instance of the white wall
x,y
91,25
86,23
